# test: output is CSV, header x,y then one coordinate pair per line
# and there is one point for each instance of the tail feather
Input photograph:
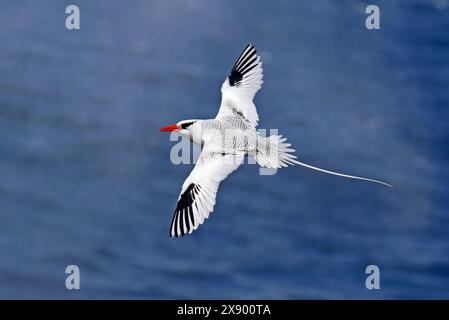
x,y
276,154
341,174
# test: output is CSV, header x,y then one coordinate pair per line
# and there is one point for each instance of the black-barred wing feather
x,y
239,88
197,198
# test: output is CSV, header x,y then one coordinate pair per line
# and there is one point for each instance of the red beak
x,y
170,128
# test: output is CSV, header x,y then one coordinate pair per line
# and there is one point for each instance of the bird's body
x,y
229,135
225,141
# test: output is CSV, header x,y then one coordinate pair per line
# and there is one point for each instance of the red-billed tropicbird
x,y
225,141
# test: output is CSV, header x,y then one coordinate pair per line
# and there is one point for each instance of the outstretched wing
x,y
239,88
197,198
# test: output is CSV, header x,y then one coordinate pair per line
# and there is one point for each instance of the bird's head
x,y
183,127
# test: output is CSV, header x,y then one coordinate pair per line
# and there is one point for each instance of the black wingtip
x,y
183,212
243,65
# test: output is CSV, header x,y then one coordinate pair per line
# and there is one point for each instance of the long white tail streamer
x,y
340,174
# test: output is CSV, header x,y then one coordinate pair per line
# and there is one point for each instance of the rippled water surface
x,y
86,178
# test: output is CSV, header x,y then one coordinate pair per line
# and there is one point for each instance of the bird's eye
x,y
185,125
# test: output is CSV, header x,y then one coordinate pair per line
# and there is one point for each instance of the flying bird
x,y
226,140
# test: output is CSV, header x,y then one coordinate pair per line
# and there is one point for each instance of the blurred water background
x,y
86,178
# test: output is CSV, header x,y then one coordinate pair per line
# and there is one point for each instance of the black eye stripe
x,y
185,125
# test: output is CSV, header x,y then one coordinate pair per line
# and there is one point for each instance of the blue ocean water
x,y
86,178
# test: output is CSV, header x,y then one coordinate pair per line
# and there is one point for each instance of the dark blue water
x,y
86,178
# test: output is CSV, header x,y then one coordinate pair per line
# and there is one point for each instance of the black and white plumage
x,y
240,87
226,140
